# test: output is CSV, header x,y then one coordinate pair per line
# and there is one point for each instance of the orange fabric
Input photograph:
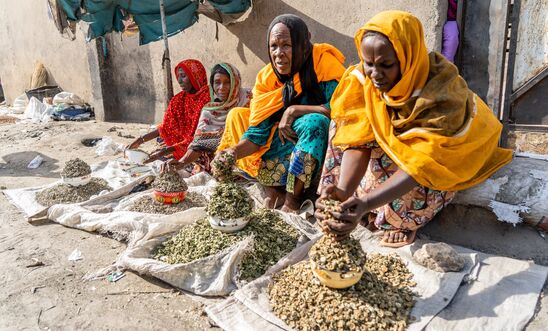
x,y
430,124
267,100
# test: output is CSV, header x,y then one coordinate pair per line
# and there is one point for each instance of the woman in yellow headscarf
x,y
281,139
411,131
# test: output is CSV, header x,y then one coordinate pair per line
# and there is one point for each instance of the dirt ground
x,y
53,296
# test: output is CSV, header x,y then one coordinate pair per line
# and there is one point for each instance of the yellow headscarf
x,y
267,100
430,124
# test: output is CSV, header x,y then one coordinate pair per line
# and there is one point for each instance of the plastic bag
x,y
107,146
20,104
68,98
37,111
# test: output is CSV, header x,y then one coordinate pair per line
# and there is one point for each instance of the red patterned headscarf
x,y
183,111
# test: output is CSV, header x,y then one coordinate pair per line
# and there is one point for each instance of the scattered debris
x,y
34,288
381,300
75,255
35,263
36,162
7,120
113,129
125,135
115,276
90,142
439,257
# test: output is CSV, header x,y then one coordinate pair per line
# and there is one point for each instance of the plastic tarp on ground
x,y
491,293
107,15
214,275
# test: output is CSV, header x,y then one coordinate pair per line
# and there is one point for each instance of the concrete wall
x,y
127,84
532,47
28,35
244,44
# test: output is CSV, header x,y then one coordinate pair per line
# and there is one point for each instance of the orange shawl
x,y
267,100
430,123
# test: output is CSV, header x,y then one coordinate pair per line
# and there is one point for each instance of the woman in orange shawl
x,y
182,114
411,131
281,139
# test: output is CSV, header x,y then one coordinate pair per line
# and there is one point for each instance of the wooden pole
x,y
166,61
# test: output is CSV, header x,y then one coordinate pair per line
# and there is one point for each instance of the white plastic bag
x,y
67,98
20,104
38,111
107,146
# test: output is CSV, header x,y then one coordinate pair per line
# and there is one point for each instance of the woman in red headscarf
x,y
182,114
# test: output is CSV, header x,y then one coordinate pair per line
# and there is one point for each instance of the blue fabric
x,y
107,15
231,6
312,131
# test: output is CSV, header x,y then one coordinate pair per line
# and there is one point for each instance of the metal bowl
x,y
334,279
227,225
76,181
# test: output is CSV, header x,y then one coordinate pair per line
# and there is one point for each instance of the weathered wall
x,y
28,35
244,45
483,40
532,46
127,84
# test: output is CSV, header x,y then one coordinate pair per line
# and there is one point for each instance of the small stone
x,y
439,257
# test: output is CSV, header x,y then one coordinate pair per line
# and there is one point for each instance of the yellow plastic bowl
x,y
338,280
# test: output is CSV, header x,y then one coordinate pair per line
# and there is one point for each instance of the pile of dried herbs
x,y
148,204
223,166
381,300
272,239
75,168
340,256
229,201
63,193
168,182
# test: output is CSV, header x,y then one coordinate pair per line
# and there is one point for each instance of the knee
x,y
314,121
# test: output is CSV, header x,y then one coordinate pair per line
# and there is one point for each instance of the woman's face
x,y
221,86
380,62
280,48
184,81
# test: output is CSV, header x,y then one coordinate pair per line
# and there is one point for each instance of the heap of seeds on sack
x,y
381,300
64,193
168,182
229,201
75,168
340,256
223,166
272,239
148,204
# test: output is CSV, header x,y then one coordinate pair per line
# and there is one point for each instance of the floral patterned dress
x,y
410,212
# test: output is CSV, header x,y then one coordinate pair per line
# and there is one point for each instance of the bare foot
x,y
397,238
292,202
275,197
